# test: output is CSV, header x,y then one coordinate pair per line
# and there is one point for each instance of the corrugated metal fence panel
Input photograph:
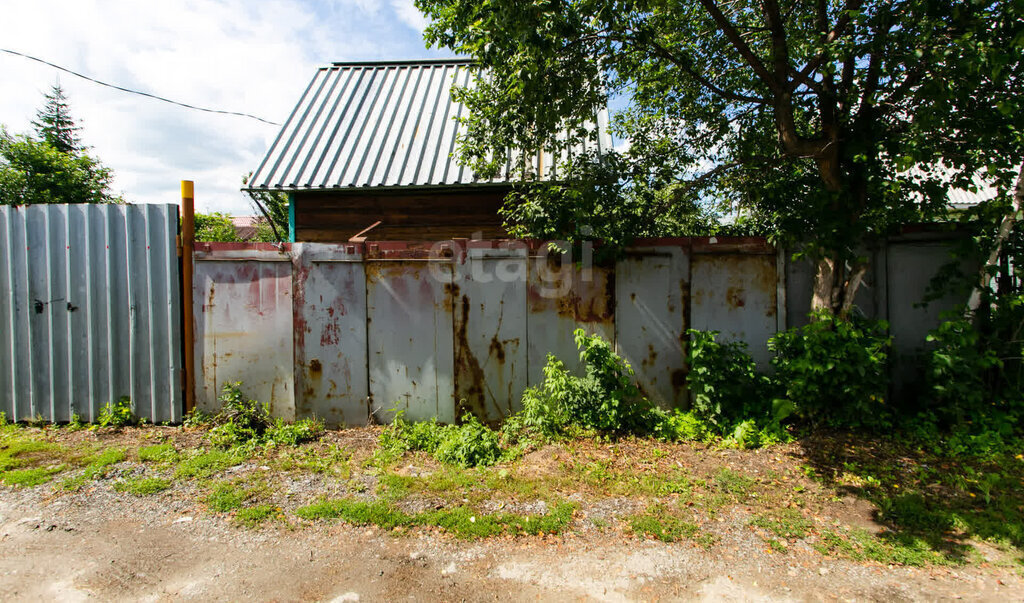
x,y
651,290
490,330
329,286
243,328
410,338
90,310
736,294
562,297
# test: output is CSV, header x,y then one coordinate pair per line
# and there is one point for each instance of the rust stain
x,y
735,297
315,367
651,358
469,376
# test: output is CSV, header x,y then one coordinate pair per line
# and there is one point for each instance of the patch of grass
x,y
463,522
787,524
158,453
333,460
205,464
659,523
142,486
226,497
97,465
16,452
888,548
27,478
252,517
376,513
733,482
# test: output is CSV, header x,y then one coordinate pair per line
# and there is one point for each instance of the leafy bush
x,y
606,400
117,414
724,381
835,370
247,423
467,445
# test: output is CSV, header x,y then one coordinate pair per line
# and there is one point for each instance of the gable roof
x,y
383,125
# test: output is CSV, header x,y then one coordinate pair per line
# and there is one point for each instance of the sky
x,y
252,56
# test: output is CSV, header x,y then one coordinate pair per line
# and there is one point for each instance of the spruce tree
x,y
55,124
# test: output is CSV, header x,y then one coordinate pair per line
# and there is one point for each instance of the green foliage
x,y
26,478
55,125
215,227
466,445
204,464
254,516
658,522
247,423
117,414
806,133
35,172
975,373
463,522
835,370
142,486
158,453
605,400
272,205
226,497
723,380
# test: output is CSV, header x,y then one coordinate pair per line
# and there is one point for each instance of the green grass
x,y
661,524
205,464
142,486
226,497
252,517
463,522
29,477
733,482
784,523
97,466
158,453
888,548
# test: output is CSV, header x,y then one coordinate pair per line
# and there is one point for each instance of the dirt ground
x,y
97,543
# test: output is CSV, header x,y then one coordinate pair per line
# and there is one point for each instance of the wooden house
x,y
369,151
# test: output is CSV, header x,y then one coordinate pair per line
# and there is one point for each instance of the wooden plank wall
x,y
408,216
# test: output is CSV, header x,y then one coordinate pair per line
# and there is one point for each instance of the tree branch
x,y
739,44
707,83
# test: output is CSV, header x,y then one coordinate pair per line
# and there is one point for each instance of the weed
x,y
247,424
463,522
117,414
658,523
788,524
205,464
158,453
142,486
890,549
225,497
733,482
29,477
252,517
467,445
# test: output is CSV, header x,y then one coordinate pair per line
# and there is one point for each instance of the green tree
x,y
55,125
805,115
34,171
215,226
53,168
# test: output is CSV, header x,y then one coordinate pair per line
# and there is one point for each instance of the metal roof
x,y
385,125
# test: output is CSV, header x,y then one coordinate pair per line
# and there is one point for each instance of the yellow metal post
x,y
188,237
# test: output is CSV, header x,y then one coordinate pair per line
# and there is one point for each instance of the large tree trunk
x,y
1005,227
836,285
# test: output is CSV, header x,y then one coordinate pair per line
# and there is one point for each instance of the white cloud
x,y
251,57
409,14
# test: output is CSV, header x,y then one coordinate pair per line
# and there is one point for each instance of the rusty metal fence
x,y
89,311
352,331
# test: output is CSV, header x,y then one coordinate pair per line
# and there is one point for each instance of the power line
x,y
153,96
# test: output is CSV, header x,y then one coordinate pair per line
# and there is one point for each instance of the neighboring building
x,y
245,226
375,142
